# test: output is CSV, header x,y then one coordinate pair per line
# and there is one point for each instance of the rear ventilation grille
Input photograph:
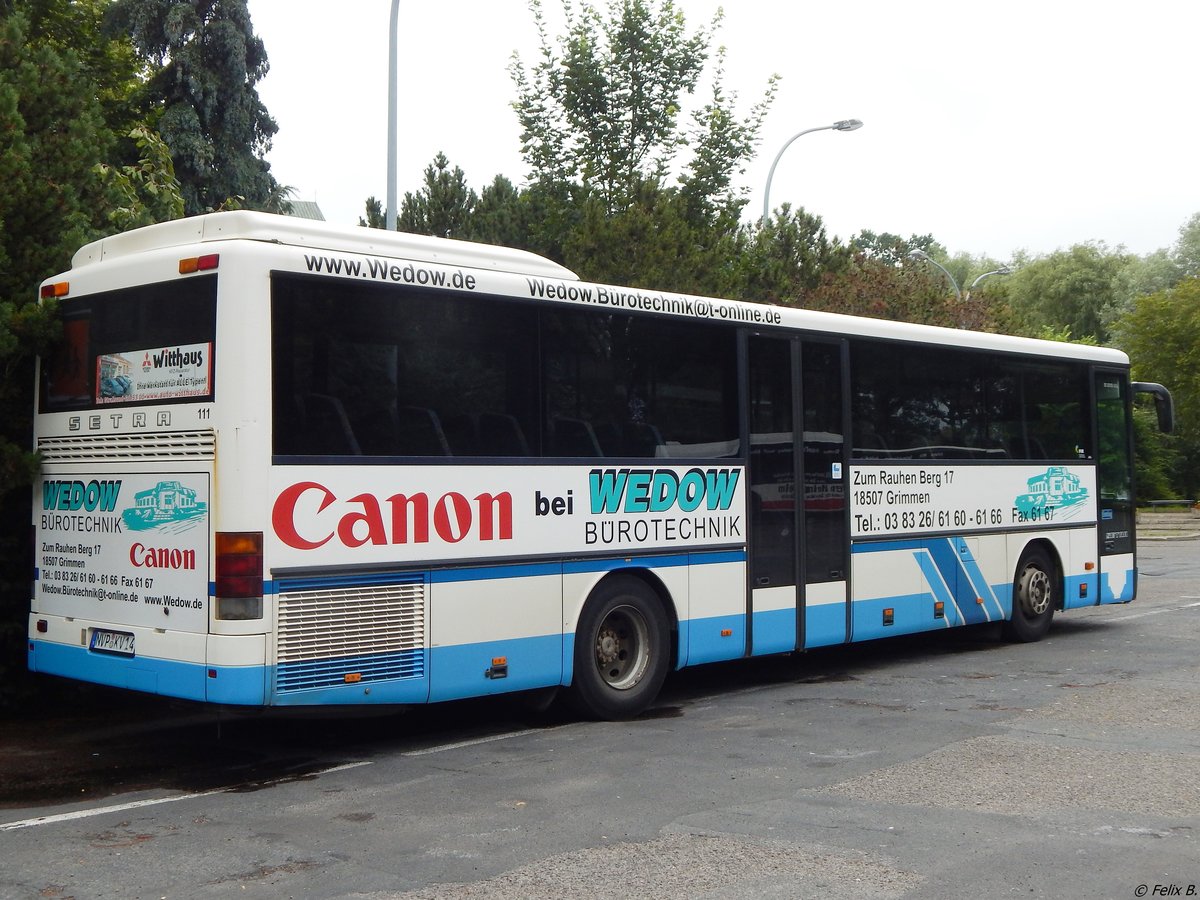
x,y
357,634
121,447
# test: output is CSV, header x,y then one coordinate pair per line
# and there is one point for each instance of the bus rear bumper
x,y
208,676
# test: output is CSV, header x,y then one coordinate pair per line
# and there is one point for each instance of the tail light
x,y
199,264
239,571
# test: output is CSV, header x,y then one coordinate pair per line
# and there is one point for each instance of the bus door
x,y
797,529
1114,487
825,545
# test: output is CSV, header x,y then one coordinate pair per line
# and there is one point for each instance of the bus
x,y
287,464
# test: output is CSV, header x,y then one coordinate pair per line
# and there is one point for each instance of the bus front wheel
x,y
1034,598
622,650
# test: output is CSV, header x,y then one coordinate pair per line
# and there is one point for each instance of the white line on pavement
x,y
1154,612
137,804
471,743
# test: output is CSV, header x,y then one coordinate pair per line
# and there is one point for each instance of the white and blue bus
x,y
288,464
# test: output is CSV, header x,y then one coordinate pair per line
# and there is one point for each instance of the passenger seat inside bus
x,y
328,431
419,432
575,437
501,435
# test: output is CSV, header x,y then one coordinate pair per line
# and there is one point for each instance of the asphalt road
x,y
949,765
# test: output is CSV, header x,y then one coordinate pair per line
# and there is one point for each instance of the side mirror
x,y
1164,406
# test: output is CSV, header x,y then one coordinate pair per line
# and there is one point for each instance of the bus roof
x,y
257,226
315,235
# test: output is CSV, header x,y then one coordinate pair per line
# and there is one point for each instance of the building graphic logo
x,y
1057,488
168,503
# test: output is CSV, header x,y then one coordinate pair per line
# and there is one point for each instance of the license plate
x,y
118,642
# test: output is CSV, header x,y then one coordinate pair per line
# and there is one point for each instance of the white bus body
x,y
242,503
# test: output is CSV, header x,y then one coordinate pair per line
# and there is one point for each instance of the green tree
x,y
1187,248
1161,334
601,111
788,258
604,112
1074,288
893,249
146,192
1155,458
444,204
205,63
500,217
375,217
52,139
723,146
76,159
653,243
870,286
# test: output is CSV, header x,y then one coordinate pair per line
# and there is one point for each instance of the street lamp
x,y
1003,270
841,125
392,117
921,254
963,296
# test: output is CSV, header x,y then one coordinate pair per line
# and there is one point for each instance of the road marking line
x,y
1154,612
137,804
473,742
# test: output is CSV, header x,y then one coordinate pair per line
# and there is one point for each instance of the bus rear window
x,y
147,344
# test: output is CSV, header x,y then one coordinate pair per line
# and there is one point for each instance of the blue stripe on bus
x,y
397,691
706,642
947,554
283,584
911,613
977,581
694,558
953,576
460,671
1107,595
775,631
235,685
825,625
936,576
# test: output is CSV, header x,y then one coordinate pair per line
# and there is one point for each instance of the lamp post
x,y
963,296
841,125
921,254
392,116
1003,270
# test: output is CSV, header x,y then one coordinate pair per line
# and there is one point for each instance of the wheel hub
x,y
622,648
608,646
1037,591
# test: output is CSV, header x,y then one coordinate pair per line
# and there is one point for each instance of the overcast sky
x,y
1028,124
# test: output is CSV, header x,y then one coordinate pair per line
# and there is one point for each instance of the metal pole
x,y
841,125
921,254
1003,270
771,173
393,70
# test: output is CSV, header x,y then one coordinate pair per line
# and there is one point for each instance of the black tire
x,y
1035,596
622,650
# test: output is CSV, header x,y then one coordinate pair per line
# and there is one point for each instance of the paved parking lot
x,y
938,766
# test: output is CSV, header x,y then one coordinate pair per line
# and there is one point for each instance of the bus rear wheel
x,y
622,650
1035,596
